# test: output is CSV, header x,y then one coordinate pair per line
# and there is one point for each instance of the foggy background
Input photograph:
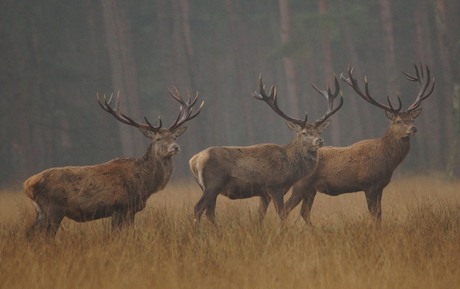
x,y
57,55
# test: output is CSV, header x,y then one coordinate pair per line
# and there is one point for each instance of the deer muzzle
x,y
317,143
411,131
173,149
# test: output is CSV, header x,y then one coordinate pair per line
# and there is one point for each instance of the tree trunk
x,y
30,143
431,124
387,24
124,73
363,127
187,35
449,60
240,62
327,63
289,66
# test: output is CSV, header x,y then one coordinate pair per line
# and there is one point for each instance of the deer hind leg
x,y
47,220
206,203
374,202
302,191
55,217
199,208
307,202
40,222
211,209
293,201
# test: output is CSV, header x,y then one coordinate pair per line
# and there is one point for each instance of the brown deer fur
x,y
366,166
263,170
118,188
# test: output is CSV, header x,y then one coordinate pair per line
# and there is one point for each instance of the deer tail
x,y
195,164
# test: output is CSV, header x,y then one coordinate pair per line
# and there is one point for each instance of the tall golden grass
x,y
416,246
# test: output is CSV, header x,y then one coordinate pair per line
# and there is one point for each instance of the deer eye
x,y
399,121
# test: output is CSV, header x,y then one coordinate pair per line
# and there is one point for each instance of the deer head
x,y
163,139
401,122
307,133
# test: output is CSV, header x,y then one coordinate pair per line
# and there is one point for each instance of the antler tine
x,y
261,94
115,112
104,103
330,97
353,83
419,77
186,108
191,101
152,127
120,116
176,94
271,100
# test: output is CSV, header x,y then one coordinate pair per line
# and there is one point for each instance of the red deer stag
x,y
264,170
366,165
118,188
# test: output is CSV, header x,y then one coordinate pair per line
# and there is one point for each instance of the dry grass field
x,y
416,246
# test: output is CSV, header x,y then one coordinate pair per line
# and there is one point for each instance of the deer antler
x,y
186,108
185,111
353,83
330,97
419,77
105,104
273,104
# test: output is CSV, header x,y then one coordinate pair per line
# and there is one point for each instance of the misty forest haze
x,y
58,55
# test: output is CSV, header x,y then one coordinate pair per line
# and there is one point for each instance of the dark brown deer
x,y
118,188
263,170
366,165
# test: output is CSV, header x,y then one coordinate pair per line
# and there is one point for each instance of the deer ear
x,y
324,125
180,130
293,126
147,133
415,113
389,115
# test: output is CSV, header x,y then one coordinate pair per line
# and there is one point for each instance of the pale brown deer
x,y
367,165
118,188
263,170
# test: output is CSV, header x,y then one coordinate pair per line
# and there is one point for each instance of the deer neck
x,y
302,159
156,171
396,148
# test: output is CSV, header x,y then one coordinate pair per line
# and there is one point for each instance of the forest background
x,y
57,55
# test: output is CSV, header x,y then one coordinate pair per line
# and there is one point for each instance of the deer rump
x,y
87,193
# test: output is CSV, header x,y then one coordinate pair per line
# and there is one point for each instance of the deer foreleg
x,y
122,218
374,202
278,201
262,211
